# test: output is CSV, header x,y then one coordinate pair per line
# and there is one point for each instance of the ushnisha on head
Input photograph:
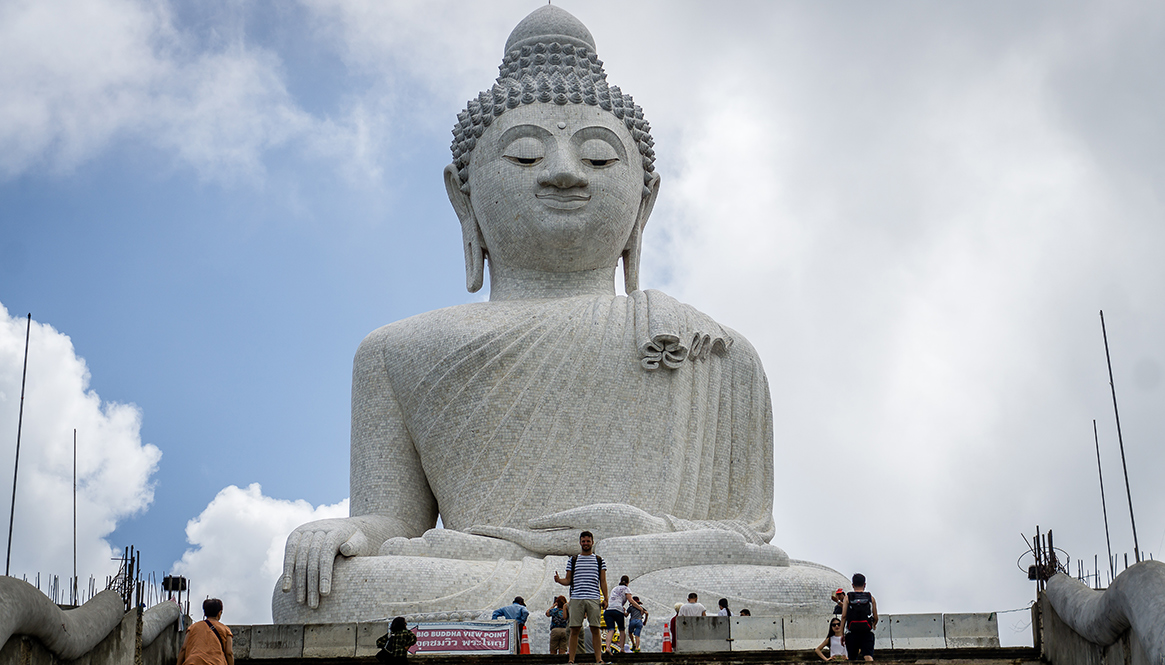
x,y
550,111
550,58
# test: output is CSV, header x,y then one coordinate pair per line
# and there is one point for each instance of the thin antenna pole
x,y
74,585
1103,508
19,427
1120,439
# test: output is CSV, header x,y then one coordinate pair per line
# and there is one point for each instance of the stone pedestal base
x,y
433,589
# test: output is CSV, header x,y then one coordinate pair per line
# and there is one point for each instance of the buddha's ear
x,y
471,238
635,242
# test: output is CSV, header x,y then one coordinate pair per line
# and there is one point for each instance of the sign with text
x,y
465,637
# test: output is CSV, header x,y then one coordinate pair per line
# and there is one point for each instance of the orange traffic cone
x,y
667,636
525,640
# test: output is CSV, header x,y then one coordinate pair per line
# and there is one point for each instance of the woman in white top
x,y
615,613
724,611
835,640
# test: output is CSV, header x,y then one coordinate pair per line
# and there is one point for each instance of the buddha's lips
x,y
563,201
564,198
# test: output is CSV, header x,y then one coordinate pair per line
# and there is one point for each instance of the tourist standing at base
x,y
693,608
515,611
208,642
724,611
586,575
834,641
558,613
394,645
636,617
745,612
675,616
859,614
838,598
615,614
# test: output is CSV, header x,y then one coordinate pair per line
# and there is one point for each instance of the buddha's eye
x,y
598,154
525,151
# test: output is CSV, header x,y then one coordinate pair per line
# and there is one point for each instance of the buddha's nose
x,y
562,173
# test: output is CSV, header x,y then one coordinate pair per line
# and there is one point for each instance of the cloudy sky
x,y
914,211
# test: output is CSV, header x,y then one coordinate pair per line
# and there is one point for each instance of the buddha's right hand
x,y
312,548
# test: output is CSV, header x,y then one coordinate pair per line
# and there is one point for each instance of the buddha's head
x,y
553,170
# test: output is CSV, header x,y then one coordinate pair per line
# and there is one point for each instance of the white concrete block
x,y
329,640
699,634
971,630
757,633
916,631
805,631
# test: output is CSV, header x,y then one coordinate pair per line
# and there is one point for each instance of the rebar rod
x,y
19,427
1120,439
1103,508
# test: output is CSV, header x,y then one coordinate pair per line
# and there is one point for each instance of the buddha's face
x,y
556,188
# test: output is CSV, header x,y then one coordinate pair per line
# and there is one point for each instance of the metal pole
x,y
1103,508
1119,438
19,427
74,585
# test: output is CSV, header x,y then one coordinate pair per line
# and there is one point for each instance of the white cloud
x,y
79,76
918,250
113,466
238,548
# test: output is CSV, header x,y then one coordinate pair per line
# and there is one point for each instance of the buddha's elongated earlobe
x,y
631,260
634,246
471,238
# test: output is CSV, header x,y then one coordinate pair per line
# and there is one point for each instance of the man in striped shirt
x,y
586,575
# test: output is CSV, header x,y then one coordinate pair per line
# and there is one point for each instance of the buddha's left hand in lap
x,y
557,534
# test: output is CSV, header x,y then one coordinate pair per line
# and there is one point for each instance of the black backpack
x,y
574,567
860,610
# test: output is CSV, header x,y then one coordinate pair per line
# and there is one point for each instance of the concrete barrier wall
x,y
332,640
915,631
700,634
807,631
757,633
971,630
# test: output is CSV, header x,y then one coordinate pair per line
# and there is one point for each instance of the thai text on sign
x,y
465,637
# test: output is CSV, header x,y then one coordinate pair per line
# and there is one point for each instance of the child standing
x,y
638,616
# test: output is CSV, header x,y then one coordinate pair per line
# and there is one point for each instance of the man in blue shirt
x,y
515,611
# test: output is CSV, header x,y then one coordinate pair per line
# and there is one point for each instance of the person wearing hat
x,y
838,597
515,611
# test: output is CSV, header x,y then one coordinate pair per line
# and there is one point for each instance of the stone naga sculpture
x,y
508,417
1131,602
70,634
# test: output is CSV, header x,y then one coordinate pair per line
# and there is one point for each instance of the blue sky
x,y
913,211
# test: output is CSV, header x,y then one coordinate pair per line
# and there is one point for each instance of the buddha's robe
x,y
520,409
494,413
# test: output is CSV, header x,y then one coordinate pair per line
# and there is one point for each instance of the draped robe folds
x,y
494,413
520,409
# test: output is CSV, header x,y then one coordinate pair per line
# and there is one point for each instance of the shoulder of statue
x,y
668,333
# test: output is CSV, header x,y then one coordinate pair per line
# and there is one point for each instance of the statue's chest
x,y
499,378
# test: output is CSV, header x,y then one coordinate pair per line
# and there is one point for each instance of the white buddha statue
x,y
558,405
